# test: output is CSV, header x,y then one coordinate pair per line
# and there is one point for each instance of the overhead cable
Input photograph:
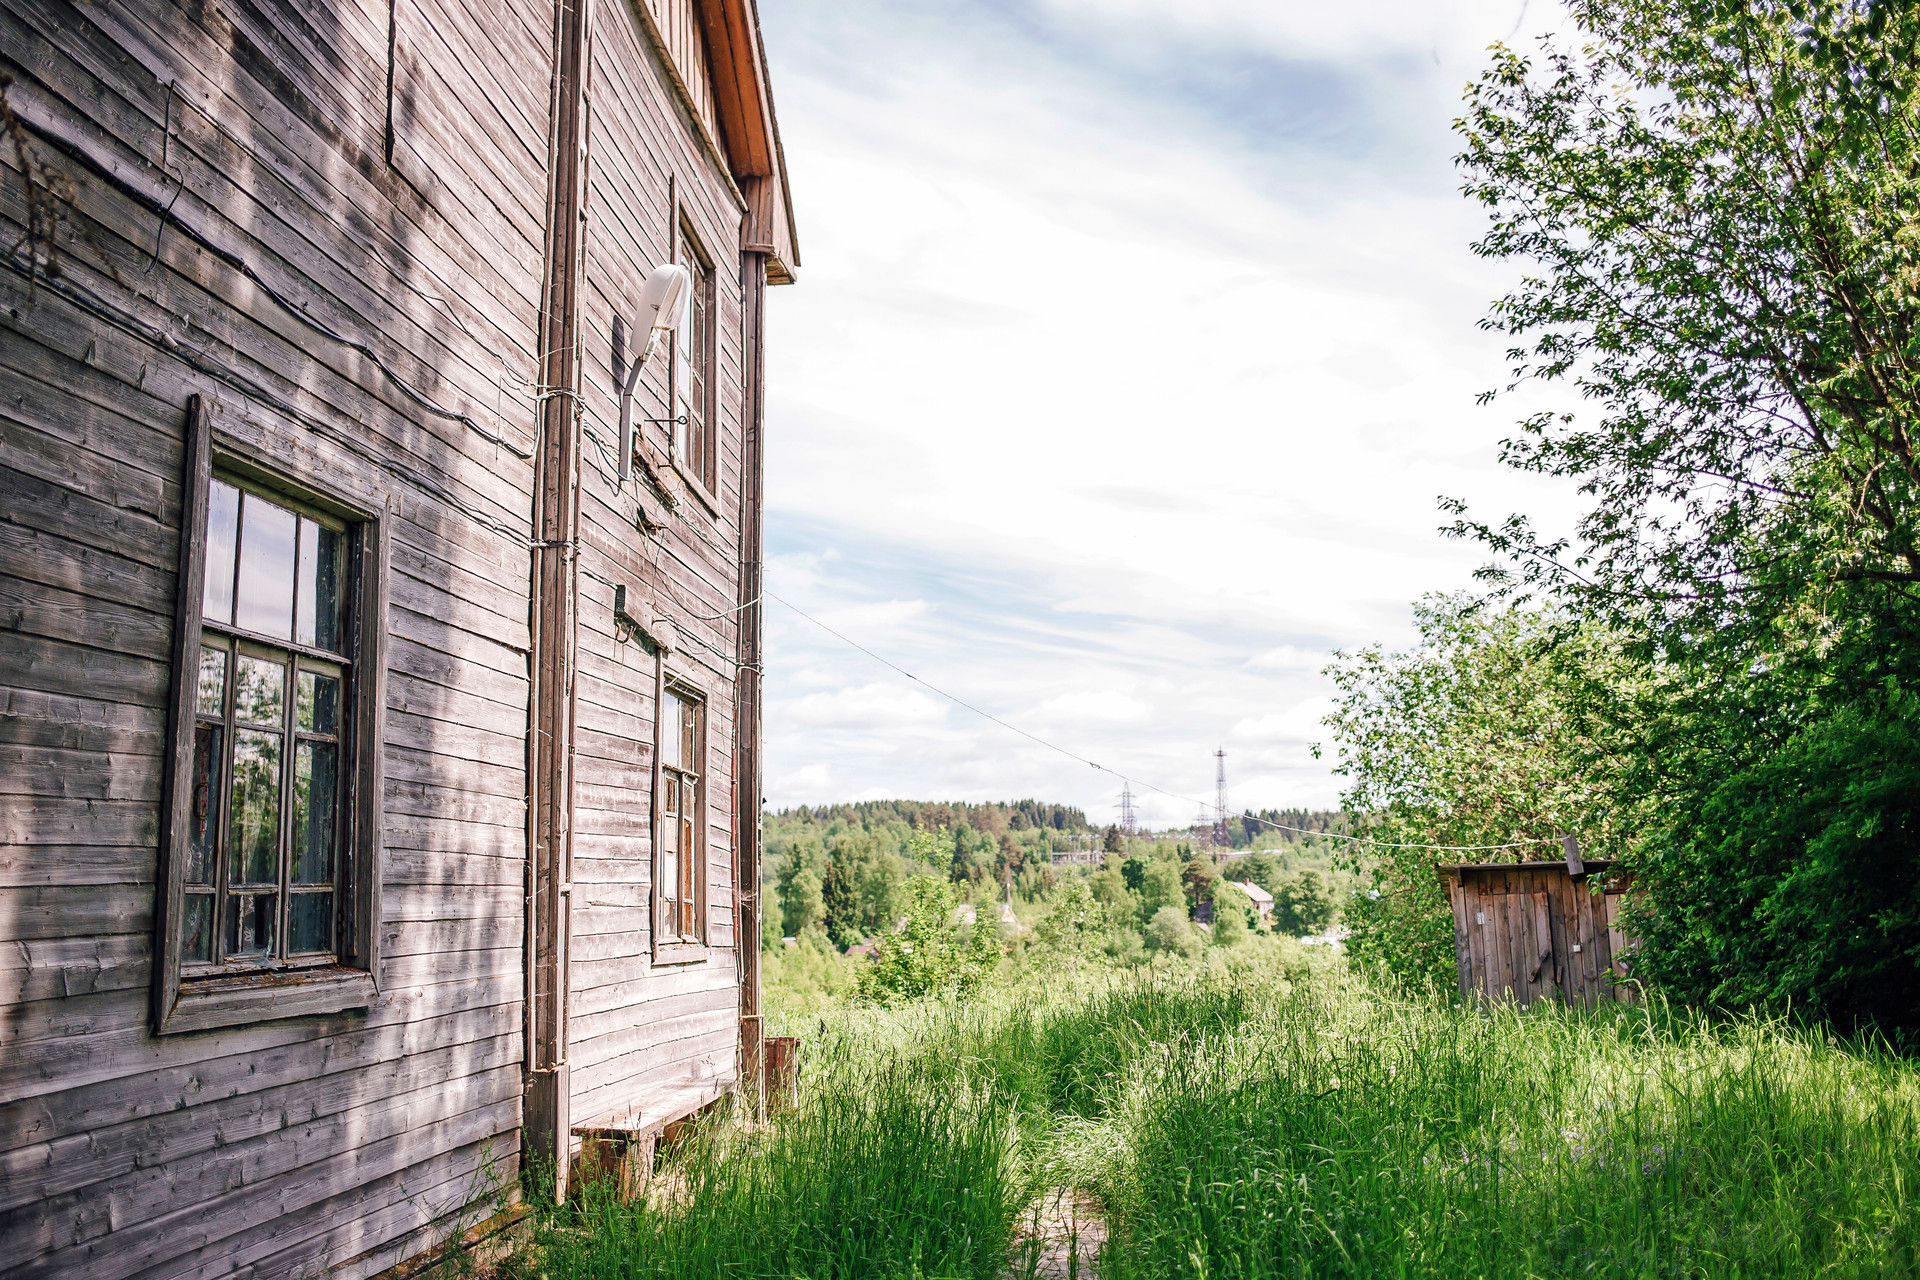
x,y
1138,782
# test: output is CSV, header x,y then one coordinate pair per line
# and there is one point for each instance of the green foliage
x,y
1134,870
1718,211
839,911
1161,889
1077,925
1253,1114
1172,933
1263,869
930,954
1196,881
1304,905
1233,914
1794,880
1483,734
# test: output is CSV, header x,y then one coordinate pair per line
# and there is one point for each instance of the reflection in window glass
x,y
196,929
254,826
315,791
670,709
318,623
260,691
310,922
318,705
211,698
223,532
250,921
262,858
264,594
203,820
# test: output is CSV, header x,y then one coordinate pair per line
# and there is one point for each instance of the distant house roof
x,y
1261,898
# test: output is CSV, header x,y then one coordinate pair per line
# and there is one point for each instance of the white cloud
x,y
1133,345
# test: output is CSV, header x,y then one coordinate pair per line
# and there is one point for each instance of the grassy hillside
x,y
1264,1114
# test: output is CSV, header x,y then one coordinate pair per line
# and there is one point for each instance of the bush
x,y
1172,933
930,954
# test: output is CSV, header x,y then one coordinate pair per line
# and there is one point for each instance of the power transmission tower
x,y
1128,824
1221,836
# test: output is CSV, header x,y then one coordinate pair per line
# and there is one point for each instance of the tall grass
x,y
1275,1120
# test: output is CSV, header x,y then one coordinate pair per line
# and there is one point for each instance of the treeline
x,y
943,815
1285,826
842,868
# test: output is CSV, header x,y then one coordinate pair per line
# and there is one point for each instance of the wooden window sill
x,y
681,953
265,997
697,488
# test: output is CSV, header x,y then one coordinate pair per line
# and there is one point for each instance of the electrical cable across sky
x,y
1115,773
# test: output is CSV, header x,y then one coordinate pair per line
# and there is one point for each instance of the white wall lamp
x,y
663,308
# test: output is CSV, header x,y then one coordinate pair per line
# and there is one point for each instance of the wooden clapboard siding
x,y
315,215
290,1145
1510,918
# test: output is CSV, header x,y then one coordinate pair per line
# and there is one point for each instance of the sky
x,y
1133,346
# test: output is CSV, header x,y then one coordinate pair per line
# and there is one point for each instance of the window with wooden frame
x,y
695,446
269,891
680,841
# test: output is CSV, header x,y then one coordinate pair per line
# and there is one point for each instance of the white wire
x,y
1139,782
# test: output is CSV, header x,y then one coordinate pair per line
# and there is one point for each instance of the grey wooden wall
x,y
258,176
635,1027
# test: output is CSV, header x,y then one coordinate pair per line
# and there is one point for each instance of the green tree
x,y
1304,905
839,909
1112,842
1135,872
1719,216
1196,881
1077,924
1484,735
931,954
1233,914
1264,869
1160,888
1171,933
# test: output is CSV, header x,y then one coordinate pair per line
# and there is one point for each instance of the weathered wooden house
x,y
1531,930
378,770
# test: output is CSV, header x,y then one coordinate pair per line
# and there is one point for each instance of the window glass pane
x,y
203,817
318,623
315,788
310,922
260,691
264,601
670,879
317,707
690,736
254,832
223,527
669,735
212,696
196,929
250,921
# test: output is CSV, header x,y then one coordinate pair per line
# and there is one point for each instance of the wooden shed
x,y
1527,930
379,774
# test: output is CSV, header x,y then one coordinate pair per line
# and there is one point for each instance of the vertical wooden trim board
x,y
190,580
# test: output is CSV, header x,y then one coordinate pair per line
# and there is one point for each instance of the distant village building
x,y
1262,900
381,766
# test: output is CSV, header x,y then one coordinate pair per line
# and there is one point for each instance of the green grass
x,y
1278,1119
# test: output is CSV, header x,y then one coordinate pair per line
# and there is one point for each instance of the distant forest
x,y
943,815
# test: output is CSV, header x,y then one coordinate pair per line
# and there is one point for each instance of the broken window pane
x,y
318,623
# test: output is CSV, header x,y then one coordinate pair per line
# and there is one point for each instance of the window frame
x,y
298,986
673,946
701,327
